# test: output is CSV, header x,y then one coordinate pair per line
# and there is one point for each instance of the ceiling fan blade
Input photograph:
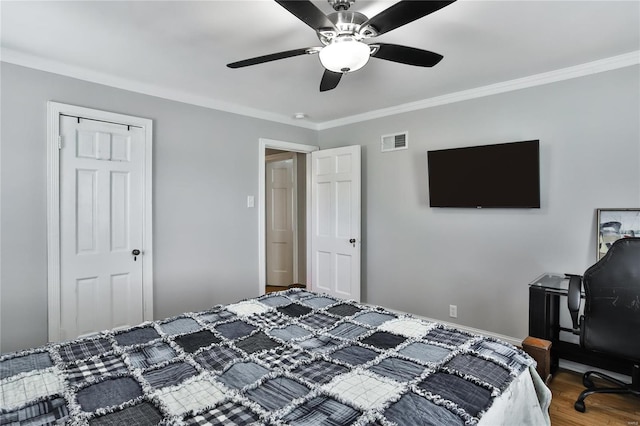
x,y
307,12
406,55
272,57
330,80
404,12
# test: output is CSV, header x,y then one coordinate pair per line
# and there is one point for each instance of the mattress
x,y
285,358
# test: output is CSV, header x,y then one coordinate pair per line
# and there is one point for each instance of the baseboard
x,y
581,368
564,364
513,340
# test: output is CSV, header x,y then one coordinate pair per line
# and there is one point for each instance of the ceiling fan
x,y
343,32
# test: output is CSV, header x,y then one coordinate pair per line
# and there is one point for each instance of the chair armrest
x,y
573,300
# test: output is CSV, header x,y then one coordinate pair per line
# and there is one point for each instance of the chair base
x,y
632,388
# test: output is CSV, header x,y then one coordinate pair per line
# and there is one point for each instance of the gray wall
x,y
421,259
415,258
205,164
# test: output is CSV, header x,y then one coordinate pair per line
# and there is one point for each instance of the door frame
x,y
262,255
54,110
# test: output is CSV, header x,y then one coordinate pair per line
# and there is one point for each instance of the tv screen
x,y
500,175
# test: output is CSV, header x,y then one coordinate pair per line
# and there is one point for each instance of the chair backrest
x,y
611,321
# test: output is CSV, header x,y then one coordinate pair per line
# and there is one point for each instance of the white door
x,y
335,221
101,224
281,219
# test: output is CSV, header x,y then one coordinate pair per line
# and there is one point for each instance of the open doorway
x,y
332,217
283,204
285,240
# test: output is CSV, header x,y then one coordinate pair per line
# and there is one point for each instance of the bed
x,y
286,358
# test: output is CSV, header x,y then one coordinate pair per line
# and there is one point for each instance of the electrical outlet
x,y
453,311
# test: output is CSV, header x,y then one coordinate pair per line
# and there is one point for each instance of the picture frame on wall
x,y
613,224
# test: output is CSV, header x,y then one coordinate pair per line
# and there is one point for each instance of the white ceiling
x,y
179,49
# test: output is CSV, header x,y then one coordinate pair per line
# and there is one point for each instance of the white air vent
x,y
395,142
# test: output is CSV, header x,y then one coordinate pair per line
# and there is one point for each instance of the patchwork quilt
x,y
286,358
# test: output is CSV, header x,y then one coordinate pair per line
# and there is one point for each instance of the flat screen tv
x,y
500,175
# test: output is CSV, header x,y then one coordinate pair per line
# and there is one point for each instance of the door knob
x,y
135,253
353,241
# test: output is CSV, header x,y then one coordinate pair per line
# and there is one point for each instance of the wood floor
x,y
601,409
272,288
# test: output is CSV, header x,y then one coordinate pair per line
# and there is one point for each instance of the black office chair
x,y
611,320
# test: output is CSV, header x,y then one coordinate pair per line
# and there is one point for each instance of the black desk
x,y
544,323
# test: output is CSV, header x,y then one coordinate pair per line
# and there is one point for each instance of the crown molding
x,y
55,67
589,68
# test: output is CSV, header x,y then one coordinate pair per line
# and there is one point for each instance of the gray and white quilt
x,y
286,358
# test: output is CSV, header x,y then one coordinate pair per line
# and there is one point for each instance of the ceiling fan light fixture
x,y
344,54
